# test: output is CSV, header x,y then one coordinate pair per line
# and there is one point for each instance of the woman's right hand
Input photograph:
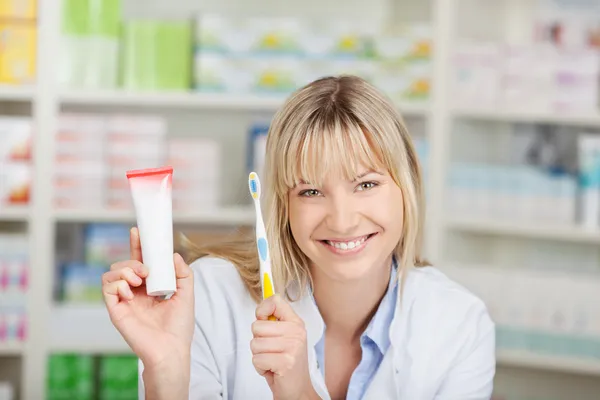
x,y
158,331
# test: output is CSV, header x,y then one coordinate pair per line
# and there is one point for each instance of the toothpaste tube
x,y
151,194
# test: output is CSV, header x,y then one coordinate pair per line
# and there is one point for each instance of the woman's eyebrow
x,y
367,172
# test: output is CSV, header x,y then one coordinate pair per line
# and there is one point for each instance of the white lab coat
x,y
442,341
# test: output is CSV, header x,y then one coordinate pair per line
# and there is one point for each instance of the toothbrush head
x,y
254,185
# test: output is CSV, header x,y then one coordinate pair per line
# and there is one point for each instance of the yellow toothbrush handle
x,y
268,291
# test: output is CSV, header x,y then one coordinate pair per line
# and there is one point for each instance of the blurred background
x,y
501,97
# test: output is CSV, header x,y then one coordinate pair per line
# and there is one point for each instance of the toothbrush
x,y
266,276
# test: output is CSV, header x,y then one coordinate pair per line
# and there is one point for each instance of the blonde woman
x,y
360,314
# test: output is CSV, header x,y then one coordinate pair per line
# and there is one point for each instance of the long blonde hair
x,y
332,123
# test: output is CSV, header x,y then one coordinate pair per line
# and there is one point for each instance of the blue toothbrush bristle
x,y
253,186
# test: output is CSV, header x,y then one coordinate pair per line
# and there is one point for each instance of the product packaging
x,y
15,183
151,191
118,378
18,9
89,43
70,377
18,54
589,172
157,55
15,139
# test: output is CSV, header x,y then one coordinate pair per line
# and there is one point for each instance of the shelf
x,y
172,99
249,102
220,216
84,329
16,93
591,119
524,359
14,213
11,349
533,230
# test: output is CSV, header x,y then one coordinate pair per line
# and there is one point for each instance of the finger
x,y
126,274
184,275
260,345
279,308
135,245
275,328
139,268
278,363
115,291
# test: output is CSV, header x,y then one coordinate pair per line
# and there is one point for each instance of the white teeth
x,y
347,245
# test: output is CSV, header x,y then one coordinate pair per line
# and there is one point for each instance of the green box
x,y
119,378
157,55
91,17
70,377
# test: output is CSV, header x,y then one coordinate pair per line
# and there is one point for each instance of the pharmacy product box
x,y
335,39
70,377
118,378
7,391
478,73
13,323
89,43
157,55
80,128
18,9
132,129
412,43
119,200
79,176
106,244
281,75
15,183
80,138
81,283
197,156
224,74
18,54
15,139
257,146
244,36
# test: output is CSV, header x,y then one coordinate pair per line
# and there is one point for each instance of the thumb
x,y
279,308
184,275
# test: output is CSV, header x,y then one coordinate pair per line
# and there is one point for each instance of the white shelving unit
x,y
20,213
87,329
16,93
549,363
221,216
564,233
591,119
12,349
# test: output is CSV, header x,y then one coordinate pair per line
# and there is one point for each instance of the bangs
x,y
340,148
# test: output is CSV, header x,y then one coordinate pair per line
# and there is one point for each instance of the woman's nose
x,y
343,215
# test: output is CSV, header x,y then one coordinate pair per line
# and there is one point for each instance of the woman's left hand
x,y
280,352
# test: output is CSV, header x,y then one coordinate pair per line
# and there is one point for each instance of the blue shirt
x,y
374,343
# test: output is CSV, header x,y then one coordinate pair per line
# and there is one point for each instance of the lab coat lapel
x,y
306,309
401,368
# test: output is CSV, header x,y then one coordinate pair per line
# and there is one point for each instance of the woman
x,y
359,313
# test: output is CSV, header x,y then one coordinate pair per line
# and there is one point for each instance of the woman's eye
x,y
367,185
309,193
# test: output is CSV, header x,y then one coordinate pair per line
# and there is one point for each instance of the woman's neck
x,y
347,307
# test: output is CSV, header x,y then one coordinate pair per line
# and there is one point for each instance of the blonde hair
x,y
319,130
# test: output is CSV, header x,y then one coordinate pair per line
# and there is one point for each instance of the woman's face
x,y
348,228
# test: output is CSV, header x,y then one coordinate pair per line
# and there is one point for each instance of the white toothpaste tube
x,y
151,192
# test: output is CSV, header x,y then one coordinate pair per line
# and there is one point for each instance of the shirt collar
x,y
379,326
